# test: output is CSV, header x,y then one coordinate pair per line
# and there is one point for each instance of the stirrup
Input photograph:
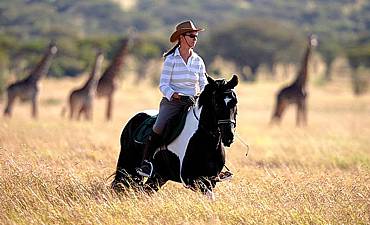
x,y
146,164
227,175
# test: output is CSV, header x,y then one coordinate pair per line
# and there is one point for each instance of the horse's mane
x,y
206,96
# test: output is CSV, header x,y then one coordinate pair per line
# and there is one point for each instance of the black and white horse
x,y
197,156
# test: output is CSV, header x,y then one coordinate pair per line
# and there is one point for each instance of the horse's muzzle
x,y
227,141
227,134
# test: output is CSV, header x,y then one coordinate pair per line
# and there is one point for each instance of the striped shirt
x,y
177,76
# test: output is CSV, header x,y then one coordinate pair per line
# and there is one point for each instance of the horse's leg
x,y
154,183
205,186
129,157
126,176
124,180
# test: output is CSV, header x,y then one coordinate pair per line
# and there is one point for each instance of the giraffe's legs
x,y
279,110
71,112
88,113
301,113
304,113
34,107
9,106
109,107
80,112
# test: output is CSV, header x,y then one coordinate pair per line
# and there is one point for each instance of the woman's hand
x,y
175,96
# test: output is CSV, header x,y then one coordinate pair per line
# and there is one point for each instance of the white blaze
x,y
227,99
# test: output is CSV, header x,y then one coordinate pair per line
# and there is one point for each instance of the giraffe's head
x,y
99,56
312,40
53,47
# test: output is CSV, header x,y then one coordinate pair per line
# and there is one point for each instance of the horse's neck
x,y
207,119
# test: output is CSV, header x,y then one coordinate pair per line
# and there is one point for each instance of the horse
x,y
197,156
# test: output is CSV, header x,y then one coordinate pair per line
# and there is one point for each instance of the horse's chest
x,y
180,144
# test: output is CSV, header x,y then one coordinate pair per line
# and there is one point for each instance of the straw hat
x,y
183,27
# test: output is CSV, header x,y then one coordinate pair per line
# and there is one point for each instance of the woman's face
x,y
189,39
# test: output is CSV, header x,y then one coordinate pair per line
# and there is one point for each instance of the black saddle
x,y
170,133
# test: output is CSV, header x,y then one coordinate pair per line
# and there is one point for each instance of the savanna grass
x,y
54,171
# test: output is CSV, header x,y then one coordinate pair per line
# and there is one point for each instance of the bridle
x,y
229,121
220,122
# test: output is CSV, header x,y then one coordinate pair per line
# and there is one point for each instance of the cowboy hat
x,y
183,27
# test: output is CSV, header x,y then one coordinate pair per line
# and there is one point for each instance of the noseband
x,y
228,121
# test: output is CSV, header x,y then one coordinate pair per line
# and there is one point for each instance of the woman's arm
x,y
164,83
202,75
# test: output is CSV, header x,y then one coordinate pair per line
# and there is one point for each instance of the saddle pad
x,y
142,133
170,133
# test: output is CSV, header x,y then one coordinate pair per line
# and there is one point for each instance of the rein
x,y
215,135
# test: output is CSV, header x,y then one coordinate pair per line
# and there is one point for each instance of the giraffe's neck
x,y
115,67
91,82
302,74
42,67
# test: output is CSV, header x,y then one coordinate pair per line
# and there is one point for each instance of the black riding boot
x,y
146,167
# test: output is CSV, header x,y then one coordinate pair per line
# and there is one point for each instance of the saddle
x,y
170,133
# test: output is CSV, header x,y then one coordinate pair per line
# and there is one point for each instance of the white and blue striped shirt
x,y
177,76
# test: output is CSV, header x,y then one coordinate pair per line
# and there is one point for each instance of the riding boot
x,y
146,167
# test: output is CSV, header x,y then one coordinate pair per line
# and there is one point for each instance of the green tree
x,y
359,56
3,67
329,48
253,42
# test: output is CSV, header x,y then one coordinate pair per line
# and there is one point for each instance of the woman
x,y
183,74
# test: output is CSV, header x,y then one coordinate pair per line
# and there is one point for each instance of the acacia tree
x,y
359,55
252,43
329,49
3,66
145,49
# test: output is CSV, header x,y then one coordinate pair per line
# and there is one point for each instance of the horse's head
x,y
221,98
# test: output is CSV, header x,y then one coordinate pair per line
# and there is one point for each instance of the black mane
x,y
211,88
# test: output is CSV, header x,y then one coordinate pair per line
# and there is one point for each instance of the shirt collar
x,y
177,53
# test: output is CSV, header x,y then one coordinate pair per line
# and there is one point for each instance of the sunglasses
x,y
191,35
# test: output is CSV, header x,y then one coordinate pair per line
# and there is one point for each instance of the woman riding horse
x,y
197,156
183,74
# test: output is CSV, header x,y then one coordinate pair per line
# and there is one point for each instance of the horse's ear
x,y
233,82
210,80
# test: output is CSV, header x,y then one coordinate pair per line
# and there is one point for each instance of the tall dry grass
x,y
54,171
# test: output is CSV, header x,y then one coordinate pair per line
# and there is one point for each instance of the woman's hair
x,y
172,50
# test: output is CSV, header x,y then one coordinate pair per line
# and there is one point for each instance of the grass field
x,y
54,171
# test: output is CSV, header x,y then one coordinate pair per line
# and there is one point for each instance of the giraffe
x,y
27,89
107,83
81,99
296,93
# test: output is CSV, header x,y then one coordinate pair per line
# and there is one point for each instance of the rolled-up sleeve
x,y
164,83
202,75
